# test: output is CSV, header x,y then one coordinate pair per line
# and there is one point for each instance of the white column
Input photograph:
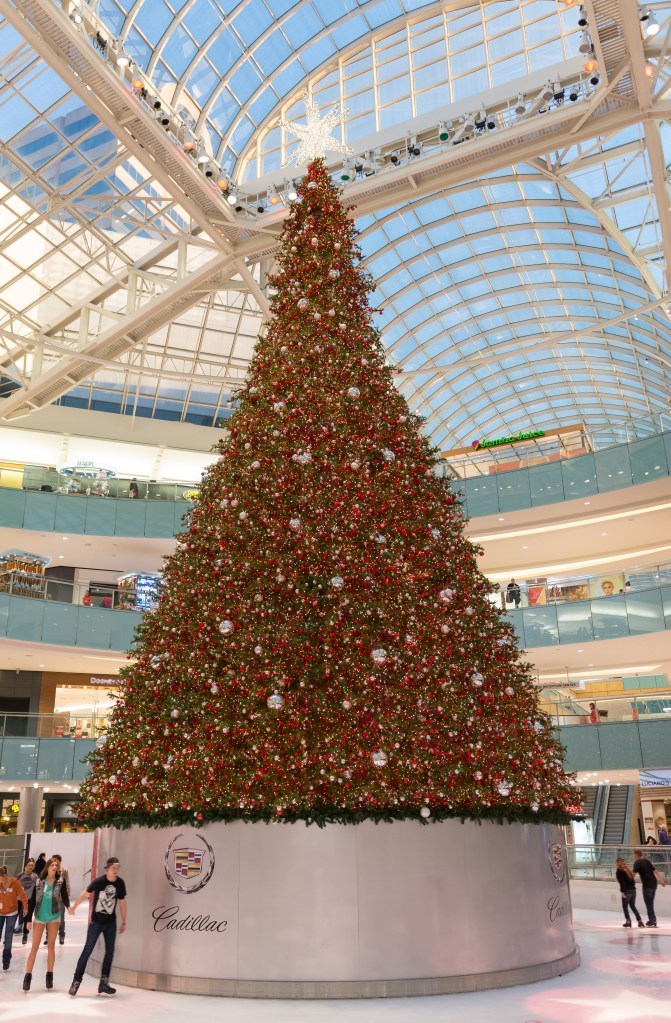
x,y
30,810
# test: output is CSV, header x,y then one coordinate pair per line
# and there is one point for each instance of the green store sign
x,y
498,441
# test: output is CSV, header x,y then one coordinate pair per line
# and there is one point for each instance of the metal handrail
x,y
597,862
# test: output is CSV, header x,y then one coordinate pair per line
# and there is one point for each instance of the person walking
x,y
108,890
27,879
11,894
65,876
649,877
627,883
44,911
40,864
593,714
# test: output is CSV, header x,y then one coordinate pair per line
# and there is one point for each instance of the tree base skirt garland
x,y
380,910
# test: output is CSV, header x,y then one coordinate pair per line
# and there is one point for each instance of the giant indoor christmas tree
x,y
325,649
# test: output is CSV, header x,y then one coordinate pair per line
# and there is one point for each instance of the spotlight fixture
x,y
156,103
491,122
202,159
260,208
190,146
480,120
548,92
122,59
346,172
76,15
358,166
585,42
100,42
444,131
469,125
162,118
582,18
232,197
591,62
290,191
573,94
558,93
273,197
650,24
138,85
649,70
395,158
594,78
209,170
413,148
520,106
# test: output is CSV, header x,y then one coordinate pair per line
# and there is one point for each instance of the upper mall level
x,y
38,498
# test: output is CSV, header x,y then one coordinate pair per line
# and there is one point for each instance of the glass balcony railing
x,y
99,516
633,613
89,723
613,468
597,862
617,745
47,621
43,760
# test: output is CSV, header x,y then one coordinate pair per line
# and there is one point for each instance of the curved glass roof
x,y
532,292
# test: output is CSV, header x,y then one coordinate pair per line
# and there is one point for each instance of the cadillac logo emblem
x,y
189,862
557,860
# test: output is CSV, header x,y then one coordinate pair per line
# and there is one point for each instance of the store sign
x,y
87,470
655,779
515,439
15,808
104,681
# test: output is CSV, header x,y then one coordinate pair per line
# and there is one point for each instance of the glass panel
x,y
122,629
71,513
583,749
609,617
25,619
644,608
667,448
130,518
666,604
648,459
55,759
160,518
620,746
19,758
40,512
4,613
513,488
579,476
12,507
546,484
612,468
82,748
574,620
515,619
181,508
654,739
100,516
94,626
483,498
540,626
60,624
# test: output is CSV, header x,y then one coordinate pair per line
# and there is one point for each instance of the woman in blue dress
x,y
44,911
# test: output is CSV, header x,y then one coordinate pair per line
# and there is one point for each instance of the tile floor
x,y
625,977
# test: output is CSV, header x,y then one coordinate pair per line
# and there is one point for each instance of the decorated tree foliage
x,y
325,648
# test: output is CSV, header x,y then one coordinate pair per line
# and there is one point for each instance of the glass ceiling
x,y
516,300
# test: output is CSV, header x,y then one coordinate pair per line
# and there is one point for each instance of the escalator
x,y
609,808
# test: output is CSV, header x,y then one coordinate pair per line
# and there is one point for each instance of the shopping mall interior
x,y
508,171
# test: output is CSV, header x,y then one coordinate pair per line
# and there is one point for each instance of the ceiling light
x,y
649,70
291,192
395,158
138,84
76,16
443,131
122,60
573,94
521,107
582,18
585,44
548,91
232,198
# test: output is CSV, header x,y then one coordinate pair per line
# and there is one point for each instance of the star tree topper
x,y
315,135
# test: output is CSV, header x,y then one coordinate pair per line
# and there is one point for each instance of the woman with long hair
x,y
44,911
627,883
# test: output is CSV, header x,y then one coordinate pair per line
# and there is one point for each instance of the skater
x,y
108,890
649,876
513,593
27,879
44,911
66,881
11,894
627,883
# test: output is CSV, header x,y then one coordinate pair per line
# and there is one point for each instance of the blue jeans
x,y
8,922
649,899
629,901
108,932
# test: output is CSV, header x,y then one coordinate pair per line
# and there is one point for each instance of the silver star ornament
x,y
315,135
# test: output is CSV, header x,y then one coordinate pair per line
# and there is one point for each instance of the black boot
x,y
104,987
50,981
26,981
74,987
24,939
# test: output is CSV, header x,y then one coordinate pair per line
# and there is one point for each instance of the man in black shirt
x,y
649,878
108,890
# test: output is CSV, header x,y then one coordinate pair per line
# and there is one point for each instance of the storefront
x,y
76,705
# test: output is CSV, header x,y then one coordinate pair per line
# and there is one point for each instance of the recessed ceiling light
x,y
587,502
604,534
525,548
64,538
501,519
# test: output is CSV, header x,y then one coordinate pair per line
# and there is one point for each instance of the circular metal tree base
x,y
366,911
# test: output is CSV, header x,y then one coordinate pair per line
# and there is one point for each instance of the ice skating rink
x,y
625,977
